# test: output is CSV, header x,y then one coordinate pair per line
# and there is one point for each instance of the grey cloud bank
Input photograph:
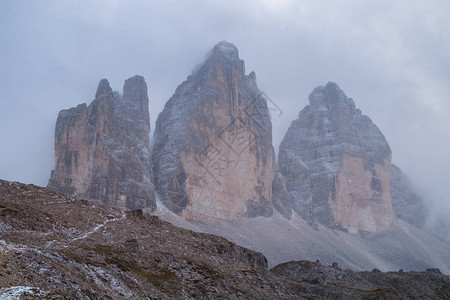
x,y
391,57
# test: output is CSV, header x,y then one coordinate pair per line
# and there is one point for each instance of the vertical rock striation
x,y
337,164
102,150
213,155
408,204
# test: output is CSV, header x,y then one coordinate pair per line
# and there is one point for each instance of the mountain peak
x,y
222,64
114,169
135,89
103,88
205,117
337,164
225,49
331,93
135,80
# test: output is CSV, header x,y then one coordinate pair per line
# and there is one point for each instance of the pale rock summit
x,y
102,150
337,165
213,156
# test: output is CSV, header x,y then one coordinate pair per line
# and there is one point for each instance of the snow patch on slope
x,y
15,292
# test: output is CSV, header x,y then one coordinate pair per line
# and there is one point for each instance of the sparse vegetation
x,y
69,248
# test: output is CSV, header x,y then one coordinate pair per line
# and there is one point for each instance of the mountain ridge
x,y
214,170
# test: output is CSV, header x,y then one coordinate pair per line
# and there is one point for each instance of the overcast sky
x,y
392,57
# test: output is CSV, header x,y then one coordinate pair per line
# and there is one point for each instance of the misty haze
x,y
290,132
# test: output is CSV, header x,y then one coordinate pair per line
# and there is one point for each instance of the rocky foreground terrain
x,y
54,246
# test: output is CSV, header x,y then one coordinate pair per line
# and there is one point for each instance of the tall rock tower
x,y
213,155
337,164
102,150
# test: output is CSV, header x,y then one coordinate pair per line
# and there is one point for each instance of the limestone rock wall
x,y
337,165
102,150
408,203
213,155
280,196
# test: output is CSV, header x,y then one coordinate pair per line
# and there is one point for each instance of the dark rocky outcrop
x,y
102,150
337,164
213,154
408,204
330,282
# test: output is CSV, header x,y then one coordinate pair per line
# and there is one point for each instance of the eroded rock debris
x,y
54,246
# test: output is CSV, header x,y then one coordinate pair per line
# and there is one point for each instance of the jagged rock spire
x,y
102,151
103,89
213,154
337,164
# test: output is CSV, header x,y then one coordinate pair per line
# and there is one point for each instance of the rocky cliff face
x,y
337,164
213,154
408,204
102,150
280,196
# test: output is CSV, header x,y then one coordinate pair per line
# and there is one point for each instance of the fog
x,y
391,57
